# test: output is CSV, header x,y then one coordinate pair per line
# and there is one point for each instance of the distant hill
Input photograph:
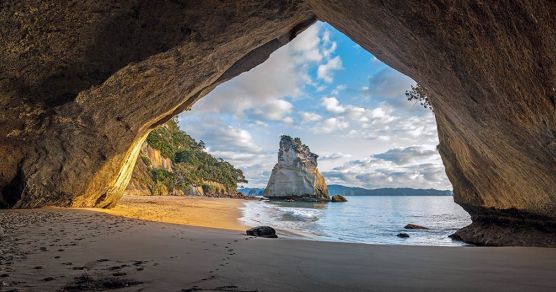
x,y
355,191
251,191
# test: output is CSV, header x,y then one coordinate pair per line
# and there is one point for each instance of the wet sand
x,y
193,211
81,250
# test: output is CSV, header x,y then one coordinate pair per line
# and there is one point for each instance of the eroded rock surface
x,y
81,85
491,71
296,175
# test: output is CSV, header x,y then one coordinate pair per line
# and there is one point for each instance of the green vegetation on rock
x,y
420,94
192,165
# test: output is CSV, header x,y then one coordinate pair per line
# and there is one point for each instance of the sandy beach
x,y
223,213
82,250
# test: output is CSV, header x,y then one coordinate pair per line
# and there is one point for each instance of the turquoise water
x,y
373,220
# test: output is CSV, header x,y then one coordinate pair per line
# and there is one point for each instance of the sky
x,y
345,104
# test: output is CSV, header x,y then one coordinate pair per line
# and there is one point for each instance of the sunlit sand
x,y
220,213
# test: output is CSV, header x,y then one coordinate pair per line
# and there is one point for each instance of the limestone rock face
x,y
296,174
141,182
155,159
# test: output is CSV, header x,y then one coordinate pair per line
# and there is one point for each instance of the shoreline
x,y
58,249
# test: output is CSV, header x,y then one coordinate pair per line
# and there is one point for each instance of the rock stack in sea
x,y
296,176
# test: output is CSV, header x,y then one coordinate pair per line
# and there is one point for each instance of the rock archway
x,y
81,86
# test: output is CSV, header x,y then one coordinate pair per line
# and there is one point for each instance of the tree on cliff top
x,y
420,94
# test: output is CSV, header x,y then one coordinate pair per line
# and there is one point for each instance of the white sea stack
x,y
296,176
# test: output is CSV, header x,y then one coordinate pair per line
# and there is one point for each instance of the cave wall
x,y
82,84
491,71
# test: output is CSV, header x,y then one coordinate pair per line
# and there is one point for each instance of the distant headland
x,y
357,191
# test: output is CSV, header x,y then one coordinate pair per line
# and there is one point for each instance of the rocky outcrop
x,y
154,159
141,182
414,226
262,231
81,86
194,191
509,233
338,199
296,176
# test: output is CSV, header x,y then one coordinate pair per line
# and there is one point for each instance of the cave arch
x,y
78,96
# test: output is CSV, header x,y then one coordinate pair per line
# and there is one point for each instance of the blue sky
x,y
345,104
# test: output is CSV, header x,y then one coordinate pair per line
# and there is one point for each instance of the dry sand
x,y
81,250
194,211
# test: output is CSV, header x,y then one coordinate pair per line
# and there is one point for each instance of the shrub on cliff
x,y
419,94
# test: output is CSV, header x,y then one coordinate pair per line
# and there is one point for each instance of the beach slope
x,y
75,250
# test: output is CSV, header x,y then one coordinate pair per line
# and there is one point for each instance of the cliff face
x,y
141,182
173,163
296,174
82,85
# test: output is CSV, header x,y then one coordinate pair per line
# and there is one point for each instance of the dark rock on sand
x,y
262,231
402,235
338,199
415,226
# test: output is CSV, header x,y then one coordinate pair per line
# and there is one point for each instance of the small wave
x,y
299,215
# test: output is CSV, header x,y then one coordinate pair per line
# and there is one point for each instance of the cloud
x,y
309,117
263,92
406,155
266,92
389,86
230,138
382,122
326,70
221,137
393,168
389,83
332,105
273,110
333,156
332,124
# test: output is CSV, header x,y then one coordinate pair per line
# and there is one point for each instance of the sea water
x,y
364,219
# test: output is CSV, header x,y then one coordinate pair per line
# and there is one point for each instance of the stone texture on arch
x,y
81,86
